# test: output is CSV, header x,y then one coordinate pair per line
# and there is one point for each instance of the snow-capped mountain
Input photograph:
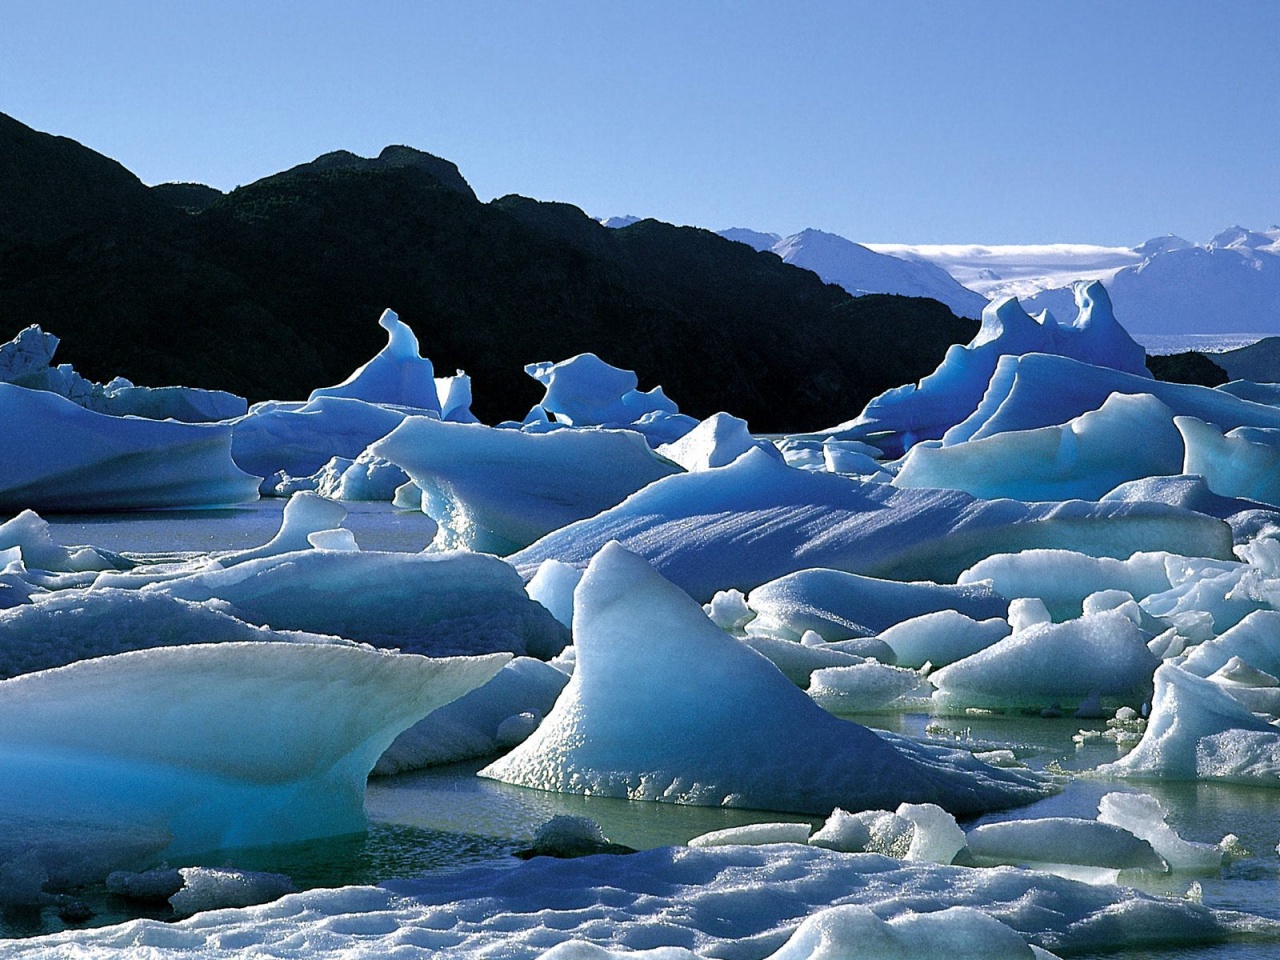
x,y
1166,285
861,270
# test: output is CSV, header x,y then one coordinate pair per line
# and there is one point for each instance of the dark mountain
x,y
188,197
275,289
1189,366
53,190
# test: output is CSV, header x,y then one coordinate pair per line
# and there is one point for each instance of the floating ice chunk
x,y
585,391
454,394
1104,654
718,901
1026,612
30,533
756,519
1246,518
716,441
1144,817
634,720
937,837
27,360
904,415
855,458
862,687
40,853
755,834
797,660
303,515
155,885
472,726
837,605
365,478
728,610
298,439
1242,464
63,626
1227,596
1199,732
1129,437
59,456
553,586
205,888
1254,640
871,831
257,742
1061,841
397,375
499,490
942,637
1063,578
433,603
343,540
955,933
1038,390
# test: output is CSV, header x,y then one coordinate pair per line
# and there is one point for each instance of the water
x,y
1161,343
446,817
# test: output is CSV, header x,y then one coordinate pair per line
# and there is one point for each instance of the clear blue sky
x,y
994,121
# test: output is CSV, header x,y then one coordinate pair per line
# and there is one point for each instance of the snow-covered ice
x,y
499,490
756,520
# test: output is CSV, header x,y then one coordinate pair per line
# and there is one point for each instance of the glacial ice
x,y
298,439
899,418
499,490
1039,390
1144,817
1197,731
715,442
1243,463
756,519
1061,841
586,391
472,725
837,605
942,637
219,745
1102,654
60,456
27,361
636,720
437,604
398,374
737,902
1131,436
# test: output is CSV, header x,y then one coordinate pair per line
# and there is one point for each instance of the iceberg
x,y
219,745
687,714
715,442
1054,842
398,374
755,520
27,361
499,490
1038,390
1242,463
1131,436
1197,731
837,605
1100,655
298,439
60,456
903,416
432,603
586,391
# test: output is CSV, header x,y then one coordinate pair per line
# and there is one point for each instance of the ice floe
x,y
687,714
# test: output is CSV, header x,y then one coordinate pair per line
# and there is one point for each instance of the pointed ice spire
x,y
397,375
